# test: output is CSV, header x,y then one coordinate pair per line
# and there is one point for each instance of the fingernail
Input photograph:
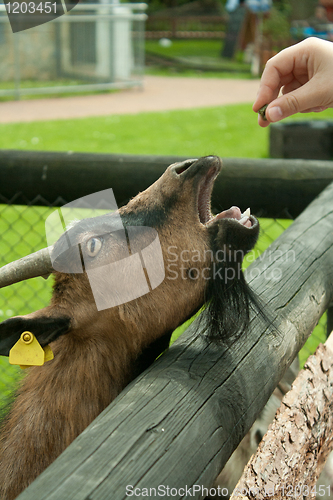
x,y
274,114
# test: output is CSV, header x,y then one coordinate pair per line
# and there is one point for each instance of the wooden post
x,y
294,450
173,27
177,424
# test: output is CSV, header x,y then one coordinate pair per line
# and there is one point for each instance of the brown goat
x,y
96,353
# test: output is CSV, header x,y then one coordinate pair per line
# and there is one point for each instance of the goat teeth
x,y
243,220
247,213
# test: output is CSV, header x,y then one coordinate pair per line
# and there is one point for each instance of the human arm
x,y
304,72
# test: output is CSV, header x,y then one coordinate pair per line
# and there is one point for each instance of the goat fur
x,y
97,353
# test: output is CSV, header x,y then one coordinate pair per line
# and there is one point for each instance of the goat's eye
x,y
93,246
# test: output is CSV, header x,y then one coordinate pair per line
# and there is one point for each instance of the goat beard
x,y
229,302
228,305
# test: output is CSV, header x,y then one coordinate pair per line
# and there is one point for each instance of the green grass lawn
x,y
186,48
225,131
32,84
203,55
186,132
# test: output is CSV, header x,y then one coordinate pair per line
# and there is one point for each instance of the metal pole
x,y
17,69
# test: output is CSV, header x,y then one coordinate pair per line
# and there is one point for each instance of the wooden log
x,y
295,448
272,188
177,424
329,324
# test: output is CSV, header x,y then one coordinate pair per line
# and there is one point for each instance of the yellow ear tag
x,y
48,353
28,352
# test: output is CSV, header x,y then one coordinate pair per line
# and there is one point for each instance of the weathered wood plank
x,y
293,452
178,423
272,188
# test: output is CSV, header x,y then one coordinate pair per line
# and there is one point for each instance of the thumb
x,y
296,101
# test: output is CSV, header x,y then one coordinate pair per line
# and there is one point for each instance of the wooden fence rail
x,y
271,187
177,424
174,27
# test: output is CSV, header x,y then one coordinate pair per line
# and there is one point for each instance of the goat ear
x,y
44,328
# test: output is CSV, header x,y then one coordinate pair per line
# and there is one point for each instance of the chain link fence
x,y
92,47
22,230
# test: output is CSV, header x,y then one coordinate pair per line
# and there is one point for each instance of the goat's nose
x,y
190,168
179,168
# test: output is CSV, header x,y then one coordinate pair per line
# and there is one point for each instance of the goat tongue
x,y
231,213
235,213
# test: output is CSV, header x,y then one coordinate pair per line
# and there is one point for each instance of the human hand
x,y
304,72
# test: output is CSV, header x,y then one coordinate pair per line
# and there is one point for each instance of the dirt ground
x,y
158,94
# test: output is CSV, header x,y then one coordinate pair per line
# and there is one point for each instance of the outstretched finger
x,y
277,73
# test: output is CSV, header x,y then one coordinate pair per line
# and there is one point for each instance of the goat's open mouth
x,y
204,204
209,168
